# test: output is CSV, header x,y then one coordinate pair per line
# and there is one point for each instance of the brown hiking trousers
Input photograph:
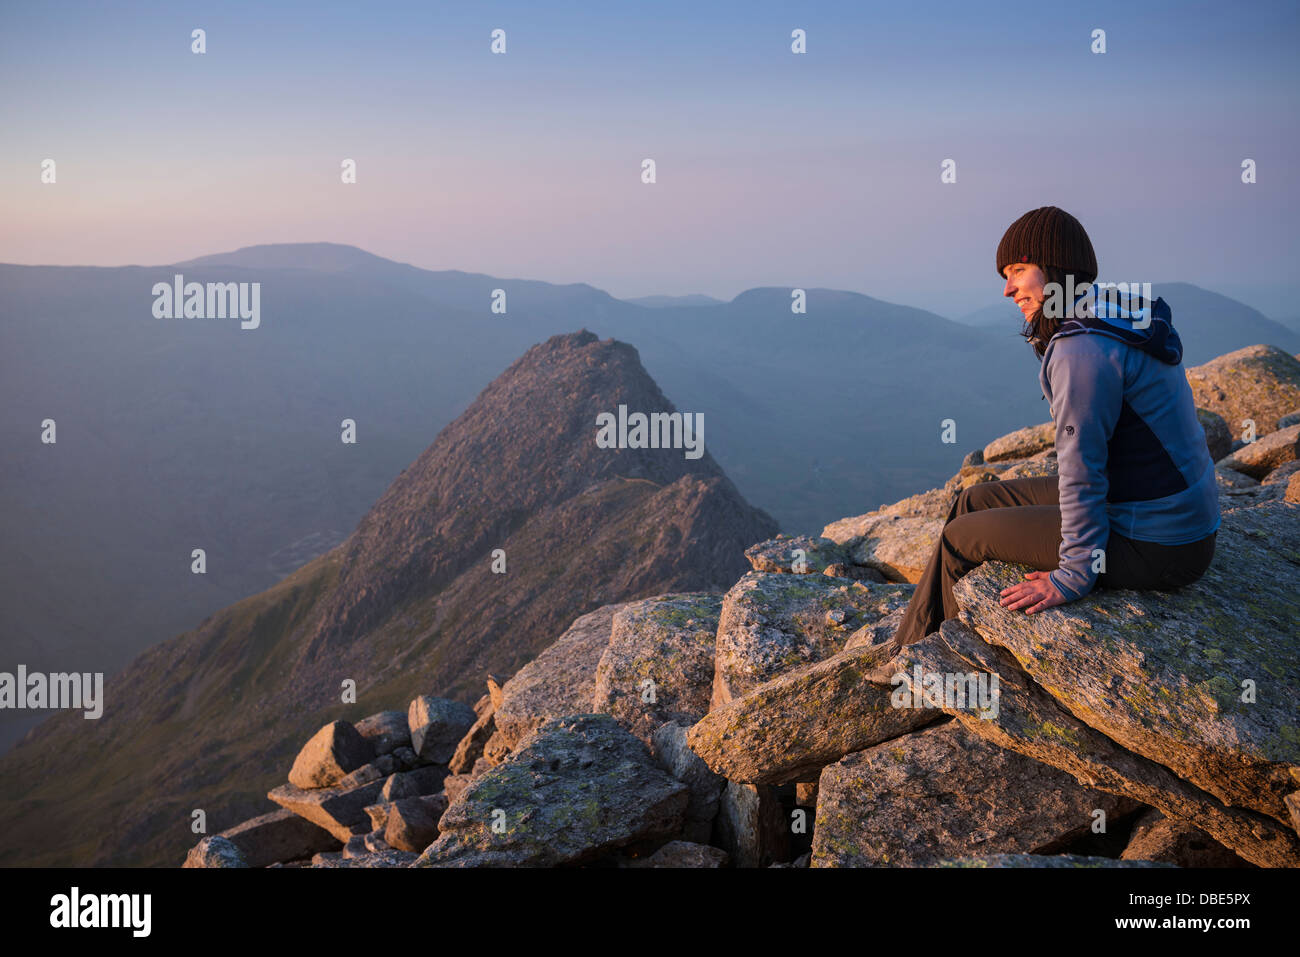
x,y
1019,520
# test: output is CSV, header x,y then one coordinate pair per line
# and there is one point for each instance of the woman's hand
x,y
1038,593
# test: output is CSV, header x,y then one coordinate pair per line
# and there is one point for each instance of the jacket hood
x,y
1143,324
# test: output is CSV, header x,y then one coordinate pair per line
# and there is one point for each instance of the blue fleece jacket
x,y
1131,455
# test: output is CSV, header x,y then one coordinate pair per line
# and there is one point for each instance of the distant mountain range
x,y
484,549
659,302
175,434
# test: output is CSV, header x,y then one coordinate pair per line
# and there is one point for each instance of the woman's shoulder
x,y
1083,346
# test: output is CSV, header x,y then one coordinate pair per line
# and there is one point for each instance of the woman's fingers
x,y
1019,599
1029,577
1037,595
1051,600
1033,594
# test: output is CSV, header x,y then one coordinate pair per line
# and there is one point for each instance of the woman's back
x,y
1125,414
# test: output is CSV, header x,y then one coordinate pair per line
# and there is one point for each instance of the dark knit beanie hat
x,y
1049,236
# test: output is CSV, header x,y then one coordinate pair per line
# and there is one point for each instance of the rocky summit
x,y
777,723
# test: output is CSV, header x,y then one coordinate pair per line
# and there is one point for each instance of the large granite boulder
x,y
800,555
943,792
1032,722
791,727
578,787
1268,452
330,754
1204,680
386,731
899,547
560,681
437,725
1261,383
411,824
341,811
413,783
772,623
658,664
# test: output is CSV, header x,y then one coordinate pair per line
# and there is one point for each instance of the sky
x,y
819,169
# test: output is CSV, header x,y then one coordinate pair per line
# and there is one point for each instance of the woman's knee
x,y
962,538
975,497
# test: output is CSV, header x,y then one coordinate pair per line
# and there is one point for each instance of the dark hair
x,y
1039,328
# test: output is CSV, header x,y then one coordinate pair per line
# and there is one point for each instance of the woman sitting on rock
x,y
1135,503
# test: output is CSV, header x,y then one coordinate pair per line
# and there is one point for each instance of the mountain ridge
x,y
407,604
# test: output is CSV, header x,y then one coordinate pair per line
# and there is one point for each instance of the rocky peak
x,y
526,444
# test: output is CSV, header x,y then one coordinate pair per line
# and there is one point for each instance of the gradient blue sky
x,y
773,169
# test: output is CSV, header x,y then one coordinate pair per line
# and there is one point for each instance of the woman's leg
x,y
1017,520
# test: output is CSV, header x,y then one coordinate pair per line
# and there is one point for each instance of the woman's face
x,y
1024,286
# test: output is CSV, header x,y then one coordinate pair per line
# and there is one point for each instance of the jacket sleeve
x,y
1087,383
